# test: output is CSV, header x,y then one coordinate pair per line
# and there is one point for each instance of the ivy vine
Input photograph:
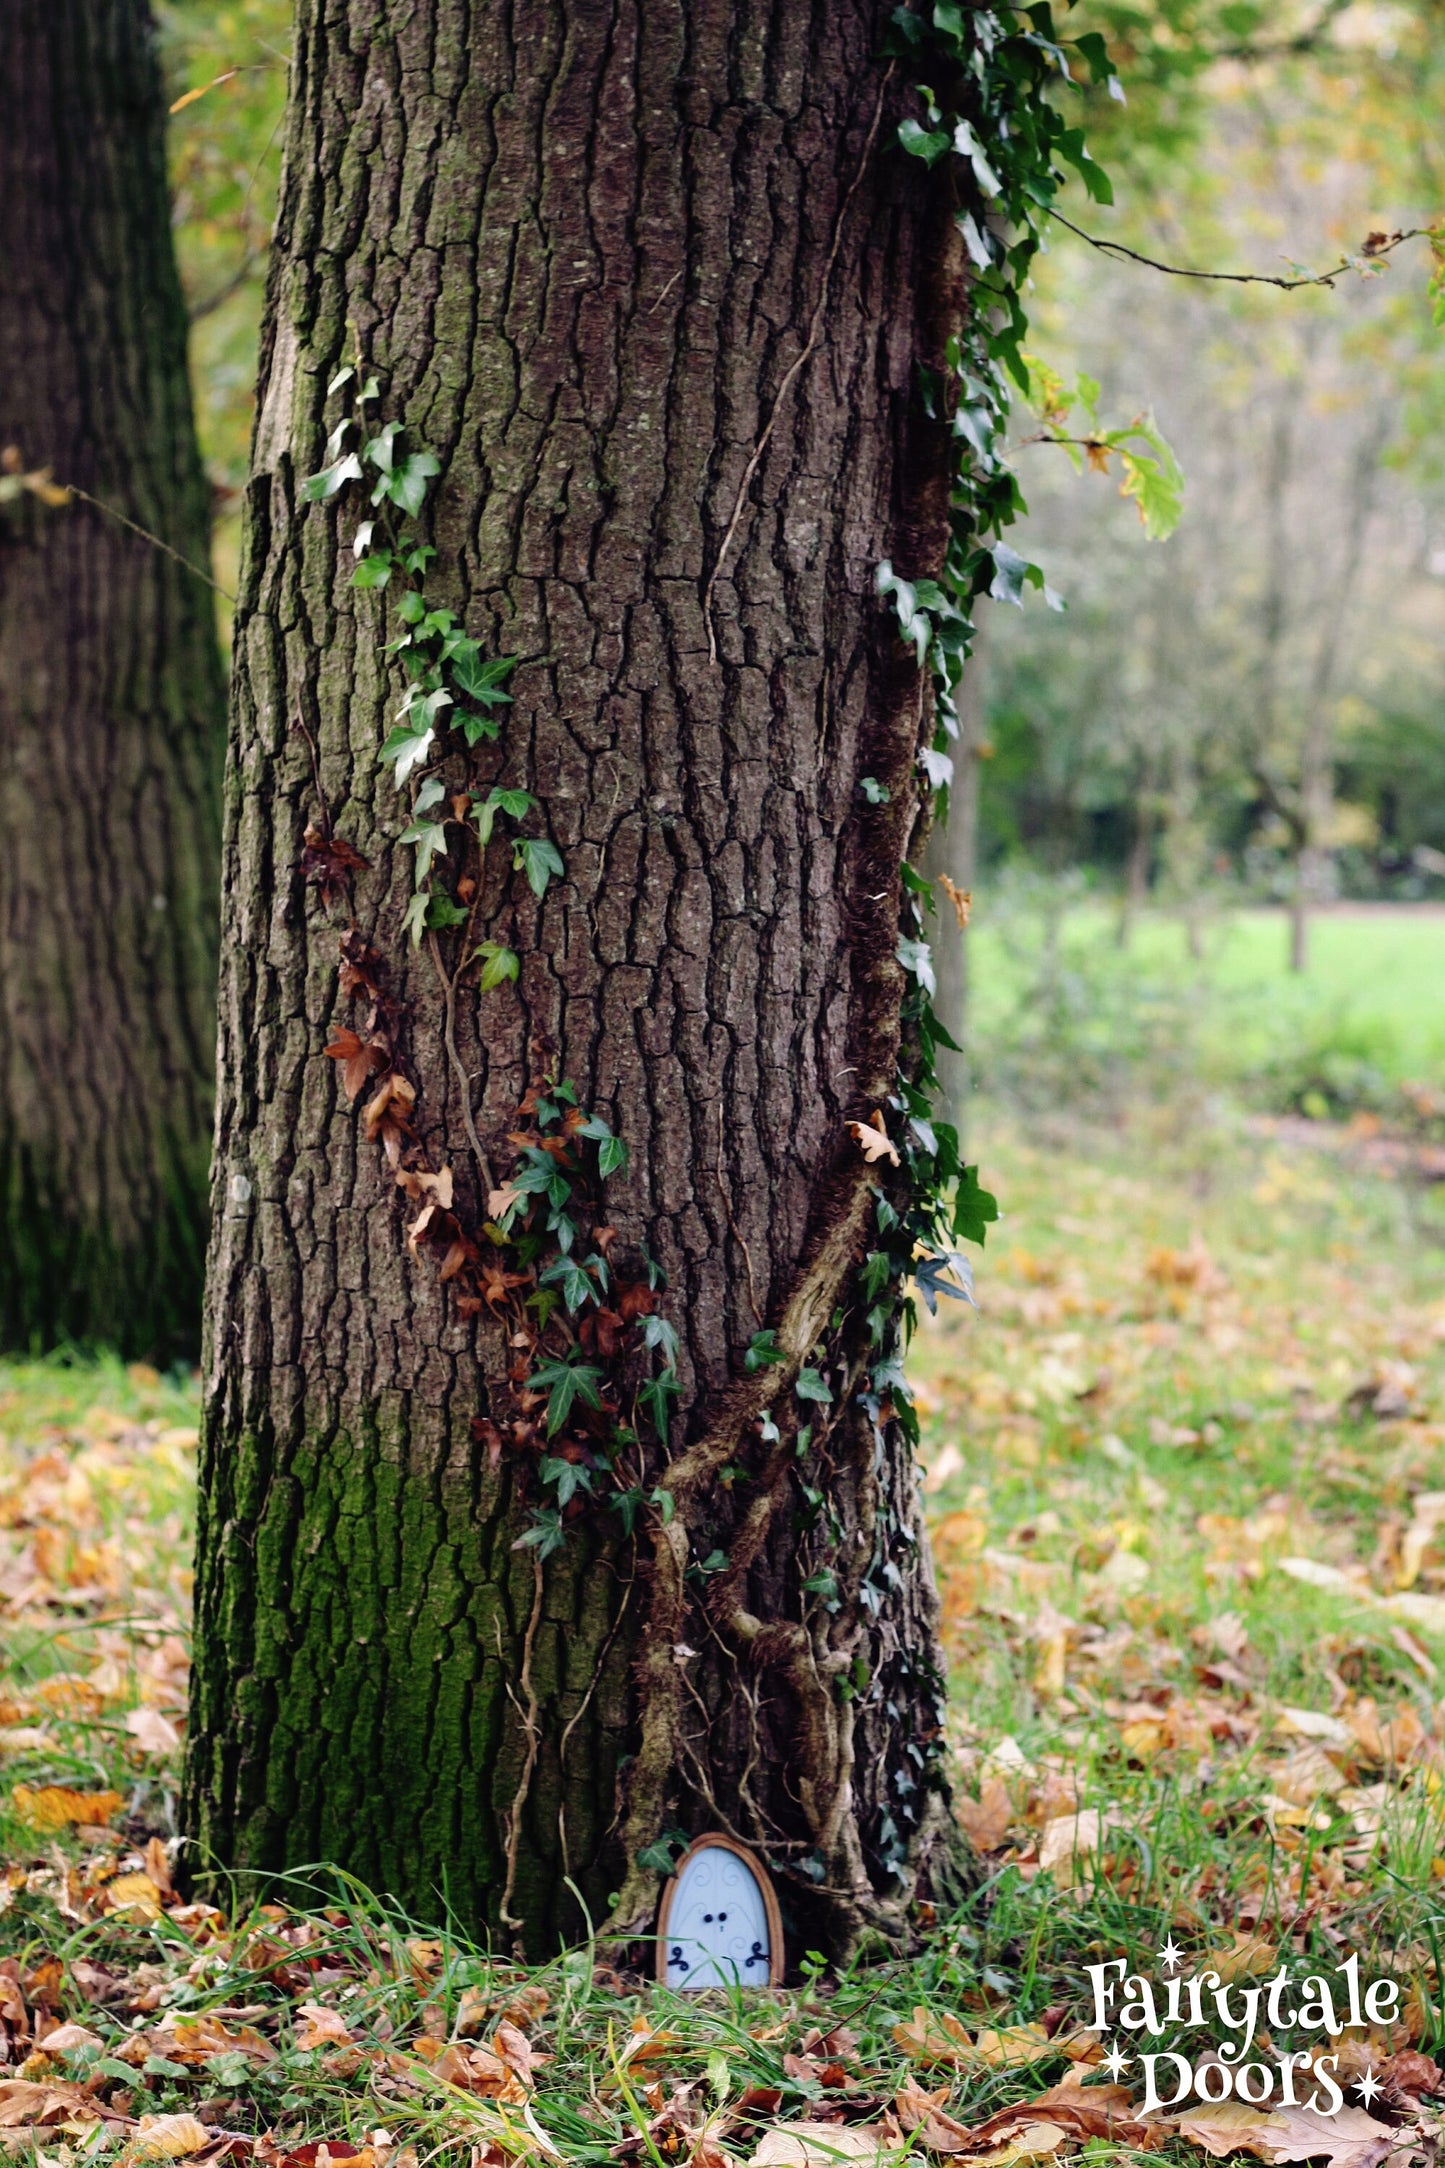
x,y
594,1364
988,125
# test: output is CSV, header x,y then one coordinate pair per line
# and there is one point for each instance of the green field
x,y
1053,990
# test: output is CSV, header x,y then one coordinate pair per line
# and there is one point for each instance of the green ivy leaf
x,y
925,143
612,1156
810,1386
499,964
512,802
430,838
658,1858
443,913
407,485
380,451
763,1348
917,957
545,1535
576,1283
374,570
657,1334
407,749
565,1384
414,920
484,681
540,860
655,1399
974,1208
318,487
565,1477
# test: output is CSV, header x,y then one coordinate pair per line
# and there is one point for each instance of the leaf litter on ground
x,y
1174,1391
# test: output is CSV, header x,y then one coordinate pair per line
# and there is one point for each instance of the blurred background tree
x,y
111,705
1226,714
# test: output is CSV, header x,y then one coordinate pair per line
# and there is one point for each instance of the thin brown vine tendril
x,y
449,995
71,489
814,330
1244,278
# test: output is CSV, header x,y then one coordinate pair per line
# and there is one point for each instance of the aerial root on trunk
x,y
810,1660
532,1730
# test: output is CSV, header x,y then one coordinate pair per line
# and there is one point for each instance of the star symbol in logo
x,y
1170,1956
1116,2062
1368,2085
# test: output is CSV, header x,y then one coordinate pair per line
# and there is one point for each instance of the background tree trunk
x,y
111,704
630,271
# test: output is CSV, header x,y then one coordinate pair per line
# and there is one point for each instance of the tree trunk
x,y
111,705
652,284
1317,753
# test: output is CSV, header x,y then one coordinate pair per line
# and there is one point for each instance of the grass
x,y
1202,1350
1369,1004
1198,1357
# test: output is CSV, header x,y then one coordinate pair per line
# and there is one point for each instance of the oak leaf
x,y
30,2101
1348,2139
873,1140
322,2028
960,898
52,1806
935,2037
1246,1955
193,2040
165,2137
66,2038
517,2051
985,1820
152,1732
135,1894
1007,2045
821,2145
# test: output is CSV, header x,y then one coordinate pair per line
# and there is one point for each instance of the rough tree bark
x,y
648,278
111,707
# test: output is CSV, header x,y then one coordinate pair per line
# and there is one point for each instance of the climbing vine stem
x,y
988,125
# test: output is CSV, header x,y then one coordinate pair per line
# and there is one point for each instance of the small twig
x,y
449,995
146,536
667,289
1242,278
224,291
734,1229
298,724
814,331
534,1740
